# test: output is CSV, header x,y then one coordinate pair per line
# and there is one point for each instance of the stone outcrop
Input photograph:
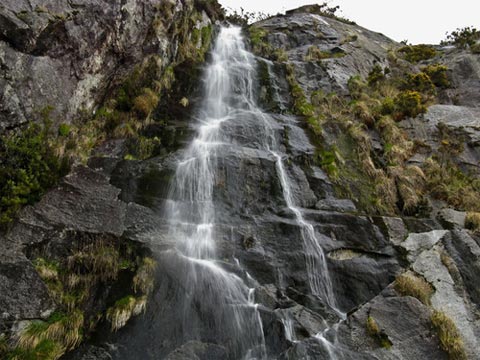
x,y
67,56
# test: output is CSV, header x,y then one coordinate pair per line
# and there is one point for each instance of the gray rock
x,y
340,205
415,244
452,219
410,333
23,295
446,298
396,230
87,46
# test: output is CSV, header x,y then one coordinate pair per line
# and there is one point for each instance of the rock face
x,y
259,239
68,55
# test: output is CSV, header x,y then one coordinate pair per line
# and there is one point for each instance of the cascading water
x,y
223,297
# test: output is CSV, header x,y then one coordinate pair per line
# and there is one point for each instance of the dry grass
x,y
145,103
409,284
450,339
62,329
410,182
374,330
144,278
472,221
372,326
447,182
124,309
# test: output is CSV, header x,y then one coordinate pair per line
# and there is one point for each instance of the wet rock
x,y
196,350
23,295
410,334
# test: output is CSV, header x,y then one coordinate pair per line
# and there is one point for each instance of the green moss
x,y
64,130
258,39
417,53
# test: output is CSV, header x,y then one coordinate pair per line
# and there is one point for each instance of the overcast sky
x,y
418,21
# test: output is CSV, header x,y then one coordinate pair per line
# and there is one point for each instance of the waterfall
x,y
222,296
225,299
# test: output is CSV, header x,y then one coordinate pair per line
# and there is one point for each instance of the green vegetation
x,y
124,309
408,103
71,283
384,183
331,12
448,183
376,75
258,39
438,75
29,166
410,284
463,38
417,53
450,339
374,331
315,54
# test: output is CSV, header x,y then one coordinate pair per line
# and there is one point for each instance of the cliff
x,y
374,143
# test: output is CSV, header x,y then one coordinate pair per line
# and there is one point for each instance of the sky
x,y
417,21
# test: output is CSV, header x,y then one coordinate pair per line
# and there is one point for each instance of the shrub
x,y
420,82
416,53
450,339
438,75
463,38
409,104
372,326
258,40
388,106
409,284
376,75
356,86
28,168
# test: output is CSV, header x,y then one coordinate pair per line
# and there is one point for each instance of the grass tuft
x,y
409,284
450,339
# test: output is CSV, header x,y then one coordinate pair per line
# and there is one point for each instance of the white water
x,y
225,299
